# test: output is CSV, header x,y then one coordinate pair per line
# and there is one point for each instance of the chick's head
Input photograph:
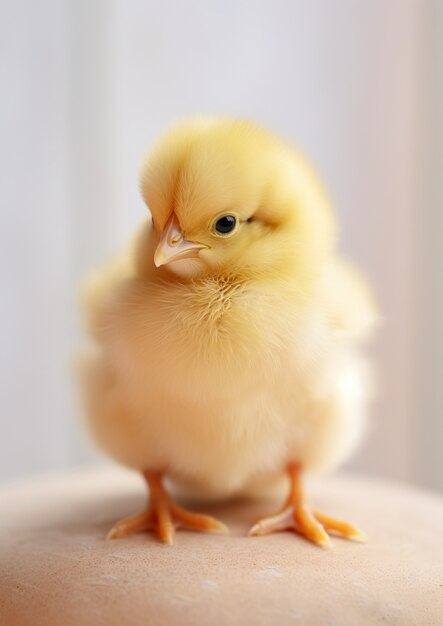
x,y
227,197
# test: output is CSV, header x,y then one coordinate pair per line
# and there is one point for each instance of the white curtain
x,y
88,84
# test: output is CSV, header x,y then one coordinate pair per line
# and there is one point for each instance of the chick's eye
x,y
225,224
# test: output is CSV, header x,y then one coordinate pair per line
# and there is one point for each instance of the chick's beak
x,y
173,246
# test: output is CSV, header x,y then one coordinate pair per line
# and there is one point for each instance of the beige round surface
x,y
57,569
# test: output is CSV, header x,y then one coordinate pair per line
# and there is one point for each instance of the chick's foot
x,y
297,516
163,516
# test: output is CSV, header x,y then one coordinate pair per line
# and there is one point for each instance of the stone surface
x,y
57,569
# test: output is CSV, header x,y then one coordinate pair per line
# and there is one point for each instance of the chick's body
x,y
225,364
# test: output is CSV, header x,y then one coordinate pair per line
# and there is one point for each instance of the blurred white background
x,y
87,85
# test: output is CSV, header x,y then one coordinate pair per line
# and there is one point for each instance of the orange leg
x,y
296,515
163,516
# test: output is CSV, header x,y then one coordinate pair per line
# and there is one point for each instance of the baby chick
x,y
228,335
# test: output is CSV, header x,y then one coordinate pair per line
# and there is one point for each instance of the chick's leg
x,y
296,515
163,516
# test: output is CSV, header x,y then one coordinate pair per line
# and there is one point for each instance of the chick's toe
x,y
297,516
163,516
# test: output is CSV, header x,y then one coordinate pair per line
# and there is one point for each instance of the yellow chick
x,y
228,335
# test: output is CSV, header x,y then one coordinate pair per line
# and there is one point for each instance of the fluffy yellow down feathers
x,y
228,334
